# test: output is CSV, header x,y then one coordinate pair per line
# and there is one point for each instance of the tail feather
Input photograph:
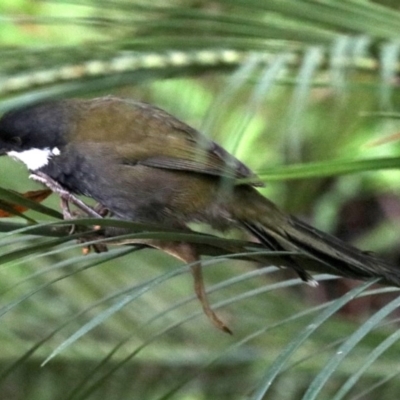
x,y
271,243
330,252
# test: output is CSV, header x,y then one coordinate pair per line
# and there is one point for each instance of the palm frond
x,y
275,82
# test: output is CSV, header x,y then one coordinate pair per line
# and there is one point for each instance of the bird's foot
x,y
96,247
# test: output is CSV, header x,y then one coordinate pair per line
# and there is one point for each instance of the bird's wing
x,y
165,142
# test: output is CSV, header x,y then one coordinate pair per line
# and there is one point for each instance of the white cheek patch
x,y
34,158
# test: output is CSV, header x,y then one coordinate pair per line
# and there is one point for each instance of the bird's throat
x,y
34,159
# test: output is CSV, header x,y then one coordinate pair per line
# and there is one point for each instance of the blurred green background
x,y
306,94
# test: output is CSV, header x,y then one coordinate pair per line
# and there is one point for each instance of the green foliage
x,y
300,90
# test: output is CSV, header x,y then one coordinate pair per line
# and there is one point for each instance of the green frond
x,y
304,92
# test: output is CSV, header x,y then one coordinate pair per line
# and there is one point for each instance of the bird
x,y
142,164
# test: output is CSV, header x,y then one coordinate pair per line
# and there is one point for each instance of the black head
x,y
37,126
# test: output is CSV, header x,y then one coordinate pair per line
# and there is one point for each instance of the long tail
x,y
319,250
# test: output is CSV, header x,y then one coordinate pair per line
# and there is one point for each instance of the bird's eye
x,y
15,140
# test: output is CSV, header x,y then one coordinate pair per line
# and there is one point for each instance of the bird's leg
x,y
67,214
188,254
67,197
